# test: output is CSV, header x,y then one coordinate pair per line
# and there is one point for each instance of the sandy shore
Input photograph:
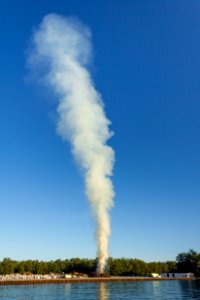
x,y
85,280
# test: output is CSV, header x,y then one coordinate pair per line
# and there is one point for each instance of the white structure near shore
x,y
155,275
30,276
177,275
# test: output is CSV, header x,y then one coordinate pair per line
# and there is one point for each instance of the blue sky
x,y
146,65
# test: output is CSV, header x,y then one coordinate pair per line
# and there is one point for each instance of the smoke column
x,y
62,46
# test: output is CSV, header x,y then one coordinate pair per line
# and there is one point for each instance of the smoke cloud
x,y
63,46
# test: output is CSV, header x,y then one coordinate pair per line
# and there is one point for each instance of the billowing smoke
x,y
62,45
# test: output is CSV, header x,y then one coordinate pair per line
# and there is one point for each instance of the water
x,y
150,290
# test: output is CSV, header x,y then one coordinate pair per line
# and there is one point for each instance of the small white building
x,y
177,275
155,275
68,276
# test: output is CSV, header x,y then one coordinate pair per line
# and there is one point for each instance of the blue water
x,y
151,290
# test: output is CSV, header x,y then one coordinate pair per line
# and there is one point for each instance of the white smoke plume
x,y
63,46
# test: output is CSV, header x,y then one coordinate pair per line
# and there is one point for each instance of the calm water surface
x,y
150,290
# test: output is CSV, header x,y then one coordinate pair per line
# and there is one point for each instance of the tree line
x,y
185,262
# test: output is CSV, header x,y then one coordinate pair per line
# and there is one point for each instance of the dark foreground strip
x,y
85,280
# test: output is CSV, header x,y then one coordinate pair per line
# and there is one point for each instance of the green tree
x,y
189,262
171,266
8,266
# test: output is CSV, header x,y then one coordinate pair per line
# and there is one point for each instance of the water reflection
x,y
103,291
68,289
156,289
190,288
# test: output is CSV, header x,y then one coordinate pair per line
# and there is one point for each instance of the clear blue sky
x,y
147,68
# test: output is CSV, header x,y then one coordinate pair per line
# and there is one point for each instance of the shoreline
x,y
87,280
